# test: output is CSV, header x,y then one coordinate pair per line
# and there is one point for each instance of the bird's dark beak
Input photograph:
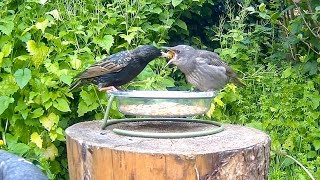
x,y
165,47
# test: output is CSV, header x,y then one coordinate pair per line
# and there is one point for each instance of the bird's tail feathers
x,y
238,82
75,84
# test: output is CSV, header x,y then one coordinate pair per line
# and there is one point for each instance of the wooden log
x,y
236,153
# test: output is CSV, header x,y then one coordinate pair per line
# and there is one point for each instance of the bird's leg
x,y
108,89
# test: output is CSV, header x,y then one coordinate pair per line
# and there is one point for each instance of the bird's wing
x,y
111,64
213,59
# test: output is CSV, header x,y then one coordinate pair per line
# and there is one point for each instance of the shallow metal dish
x,y
163,103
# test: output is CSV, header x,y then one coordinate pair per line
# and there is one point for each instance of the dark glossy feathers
x,y
117,69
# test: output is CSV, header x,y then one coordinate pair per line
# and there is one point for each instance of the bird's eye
x,y
177,51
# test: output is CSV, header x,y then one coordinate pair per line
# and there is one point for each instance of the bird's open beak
x,y
168,63
169,55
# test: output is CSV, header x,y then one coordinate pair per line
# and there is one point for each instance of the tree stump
x,y
236,153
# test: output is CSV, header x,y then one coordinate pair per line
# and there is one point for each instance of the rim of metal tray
x,y
164,94
165,135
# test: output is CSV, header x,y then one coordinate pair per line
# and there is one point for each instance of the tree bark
x,y
236,153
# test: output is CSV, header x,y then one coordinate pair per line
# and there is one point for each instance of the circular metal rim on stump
x,y
165,135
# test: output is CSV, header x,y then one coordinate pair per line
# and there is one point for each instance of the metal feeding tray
x,y
164,104
161,106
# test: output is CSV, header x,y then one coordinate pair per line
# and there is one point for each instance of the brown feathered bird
x,y
117,69
203,69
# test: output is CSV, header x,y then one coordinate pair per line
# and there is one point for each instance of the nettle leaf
x,y
53,135
128,37
312,154
36,138
5,101
22,77
176,2
48,122
7,27
51,152
42,25
286,73
87,98
66,79
18,148
87,103
8,85
316,144
75,63
61,104
156,10
6,49
38,51
181,24
106,42
37,113
84,108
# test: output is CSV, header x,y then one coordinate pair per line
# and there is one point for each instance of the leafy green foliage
x,y
22,77
273,46
282,97
44,44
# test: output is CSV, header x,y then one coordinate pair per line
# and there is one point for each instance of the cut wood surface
x,y
236,153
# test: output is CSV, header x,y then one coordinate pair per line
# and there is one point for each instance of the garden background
x,y
273,45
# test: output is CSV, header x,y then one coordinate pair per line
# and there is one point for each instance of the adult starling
x,y
117,69
203,69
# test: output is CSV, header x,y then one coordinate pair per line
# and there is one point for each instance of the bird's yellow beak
x,y
169,55
171,60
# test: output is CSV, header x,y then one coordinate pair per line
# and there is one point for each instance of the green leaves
x,y
37,113
106,42
6,27
6,49
181,24
176,2
316,144
61,104
22,77
87,103
5,101
66,79
38,52
50,121
36,138
42,25
18,148
128,37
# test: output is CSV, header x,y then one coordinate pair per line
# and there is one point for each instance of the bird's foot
x,y
108,89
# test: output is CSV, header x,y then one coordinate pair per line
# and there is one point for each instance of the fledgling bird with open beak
x,y
203,69
117,69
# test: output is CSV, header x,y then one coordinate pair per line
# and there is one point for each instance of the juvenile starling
x,y
203,69
117,69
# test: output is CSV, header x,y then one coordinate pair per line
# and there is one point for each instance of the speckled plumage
x,y
117,69
203,69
